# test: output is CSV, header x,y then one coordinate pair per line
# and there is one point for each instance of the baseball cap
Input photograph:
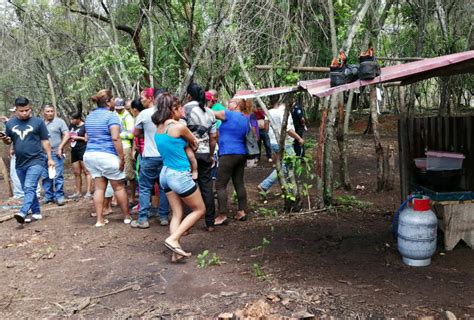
x,y
119,103
209,96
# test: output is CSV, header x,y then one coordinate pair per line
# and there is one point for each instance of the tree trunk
x,y
377,142
328,181
342,135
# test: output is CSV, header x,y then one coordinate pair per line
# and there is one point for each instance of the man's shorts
x,y
103,165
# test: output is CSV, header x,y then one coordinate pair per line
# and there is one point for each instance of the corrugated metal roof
x,y
452,64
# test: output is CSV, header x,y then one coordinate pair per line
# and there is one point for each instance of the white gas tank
x,y
417,233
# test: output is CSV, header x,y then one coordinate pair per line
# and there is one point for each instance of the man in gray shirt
x,y
58,137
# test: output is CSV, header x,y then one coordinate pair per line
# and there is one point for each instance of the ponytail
x,y
197,94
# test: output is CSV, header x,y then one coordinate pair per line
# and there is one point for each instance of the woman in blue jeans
x,y
176,143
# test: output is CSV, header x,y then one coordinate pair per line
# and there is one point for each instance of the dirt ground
x,y
337,263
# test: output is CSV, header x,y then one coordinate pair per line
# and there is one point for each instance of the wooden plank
x,y
6,177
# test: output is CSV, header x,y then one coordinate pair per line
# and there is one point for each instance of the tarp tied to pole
x,y
406,73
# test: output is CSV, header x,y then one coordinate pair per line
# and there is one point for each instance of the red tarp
x,y
452,64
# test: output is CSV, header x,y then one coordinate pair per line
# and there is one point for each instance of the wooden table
x,y
456,220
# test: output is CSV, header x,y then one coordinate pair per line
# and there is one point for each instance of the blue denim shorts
x,y
180,182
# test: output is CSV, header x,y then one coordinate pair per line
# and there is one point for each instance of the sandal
x,y
127,220
241,218
178,250
100,225
223,223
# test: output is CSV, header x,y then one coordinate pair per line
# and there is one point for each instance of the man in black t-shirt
x,y
299,122
29,136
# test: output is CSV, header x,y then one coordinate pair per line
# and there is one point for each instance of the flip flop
x,y
176,258
223,223
100,225
178,250
242,218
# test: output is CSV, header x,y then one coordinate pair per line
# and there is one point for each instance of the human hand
x,y
301,141
51,163
59,153
6,139
194,144
194,174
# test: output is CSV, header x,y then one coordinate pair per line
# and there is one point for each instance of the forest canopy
x,y
128,45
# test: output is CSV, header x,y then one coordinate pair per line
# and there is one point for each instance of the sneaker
x,y
36,216
46,201
60,202
260,189
19,218
74,196
88,195
164,221
127,220
140,224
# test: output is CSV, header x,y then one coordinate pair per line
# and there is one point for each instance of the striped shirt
x,y
98,123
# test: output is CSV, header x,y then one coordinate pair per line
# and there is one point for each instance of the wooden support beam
x,y
400,59
294,68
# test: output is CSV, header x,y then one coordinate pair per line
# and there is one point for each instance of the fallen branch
x,y
6,217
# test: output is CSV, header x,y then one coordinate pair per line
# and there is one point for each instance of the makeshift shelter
x,y
416,135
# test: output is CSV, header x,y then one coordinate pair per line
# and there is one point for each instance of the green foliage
x,y
259,273
204,260
268,212
352,202
265,243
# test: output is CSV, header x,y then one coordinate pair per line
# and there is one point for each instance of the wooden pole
x,y
51,90
293,68
6,177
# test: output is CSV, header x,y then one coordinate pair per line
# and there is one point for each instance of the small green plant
x,y
204,261
265,243
214,261
352,202
201,258
268,212
258,272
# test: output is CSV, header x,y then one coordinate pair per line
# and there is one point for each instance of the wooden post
x,y
378,144
6,177
403,146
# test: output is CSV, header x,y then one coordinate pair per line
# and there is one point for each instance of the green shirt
x,y
127,126
218,107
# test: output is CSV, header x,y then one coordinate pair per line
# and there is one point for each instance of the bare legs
x,y
99,197
121,196
78,168
178,225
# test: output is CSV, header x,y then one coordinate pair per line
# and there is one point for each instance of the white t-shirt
x,y
144,123
277,115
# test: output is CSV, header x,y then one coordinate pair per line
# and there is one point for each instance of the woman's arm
x,y
220,115
188,136
115,133
192,160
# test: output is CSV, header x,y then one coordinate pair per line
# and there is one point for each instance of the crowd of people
x,y
175,156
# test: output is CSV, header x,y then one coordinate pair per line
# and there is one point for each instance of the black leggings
x,y
231,166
